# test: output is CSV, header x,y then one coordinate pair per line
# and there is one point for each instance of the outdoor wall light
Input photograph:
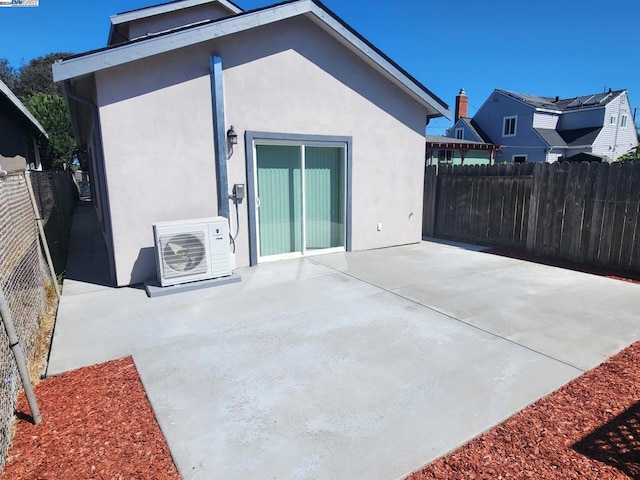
x,y
232,136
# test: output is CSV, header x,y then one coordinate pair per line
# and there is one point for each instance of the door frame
x,y
274,138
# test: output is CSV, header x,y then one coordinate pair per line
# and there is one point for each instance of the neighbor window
x,y
613,120
509,126
459,133
445,156
623,121
519,158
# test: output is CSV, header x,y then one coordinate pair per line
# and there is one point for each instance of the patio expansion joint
x,y
475,327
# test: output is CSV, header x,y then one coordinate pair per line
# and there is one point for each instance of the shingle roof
x,y
476,130
580,136
551,136
565,104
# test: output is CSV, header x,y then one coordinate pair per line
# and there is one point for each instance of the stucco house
x,y
465,144
546,129
329,131
20,134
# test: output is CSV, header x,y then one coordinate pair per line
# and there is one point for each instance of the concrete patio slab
x,y
356,365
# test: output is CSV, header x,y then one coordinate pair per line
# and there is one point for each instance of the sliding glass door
x,y
300,201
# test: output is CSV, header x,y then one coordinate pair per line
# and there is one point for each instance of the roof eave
x,y
548,110
154,10
6,91
121,54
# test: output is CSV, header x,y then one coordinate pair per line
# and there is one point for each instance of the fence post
x,y
534,203
14,344
429,201
43,238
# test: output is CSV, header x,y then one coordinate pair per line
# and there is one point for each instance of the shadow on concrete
x,y
88,258
616,443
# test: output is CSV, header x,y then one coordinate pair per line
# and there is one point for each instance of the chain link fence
x,y
25,277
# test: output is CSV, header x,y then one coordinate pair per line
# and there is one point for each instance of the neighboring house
x,y
546,129
20,134
465,144
330,131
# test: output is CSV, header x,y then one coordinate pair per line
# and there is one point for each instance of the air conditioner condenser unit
x,y
192,250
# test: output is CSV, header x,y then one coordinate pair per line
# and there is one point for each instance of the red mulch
x,y
96,424
589,429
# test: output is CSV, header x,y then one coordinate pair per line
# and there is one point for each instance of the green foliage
x,y
632,155
51,111
33,84
36,77
8,74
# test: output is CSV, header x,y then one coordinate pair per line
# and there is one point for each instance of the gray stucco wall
x,y
290,77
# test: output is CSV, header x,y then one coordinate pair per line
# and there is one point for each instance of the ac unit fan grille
x,y
183,254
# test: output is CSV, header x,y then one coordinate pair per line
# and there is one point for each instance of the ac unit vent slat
x,y
185,252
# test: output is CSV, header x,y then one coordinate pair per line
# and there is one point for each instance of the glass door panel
x,y
324,197
280,199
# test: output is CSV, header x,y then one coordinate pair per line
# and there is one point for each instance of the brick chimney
x,y
462,105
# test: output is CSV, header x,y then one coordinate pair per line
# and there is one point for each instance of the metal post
x,y
9,327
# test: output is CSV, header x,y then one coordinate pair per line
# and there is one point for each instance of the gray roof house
x,y
193,100
20,134
537,129
465,144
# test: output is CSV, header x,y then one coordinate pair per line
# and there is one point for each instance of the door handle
x,y
257,202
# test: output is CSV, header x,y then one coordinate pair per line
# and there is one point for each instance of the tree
x,y
632,155
36,77
8,74
51,111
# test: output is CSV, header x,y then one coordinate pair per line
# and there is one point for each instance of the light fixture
x,y
232,136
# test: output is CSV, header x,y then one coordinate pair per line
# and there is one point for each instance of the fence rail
x,y
583,212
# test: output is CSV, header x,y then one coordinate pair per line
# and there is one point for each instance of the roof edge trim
x,y
92,62
154,10
6,91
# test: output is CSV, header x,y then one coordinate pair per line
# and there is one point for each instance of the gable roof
x,y
7,95
168,7
565,104
551,137
580,136
96,60
473,126
145,12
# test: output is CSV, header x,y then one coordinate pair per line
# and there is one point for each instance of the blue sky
x,y
542,47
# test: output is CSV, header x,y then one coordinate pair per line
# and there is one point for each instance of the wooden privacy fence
x,y
584,212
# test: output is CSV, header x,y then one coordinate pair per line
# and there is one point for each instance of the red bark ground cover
x,y
96,424
588,429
